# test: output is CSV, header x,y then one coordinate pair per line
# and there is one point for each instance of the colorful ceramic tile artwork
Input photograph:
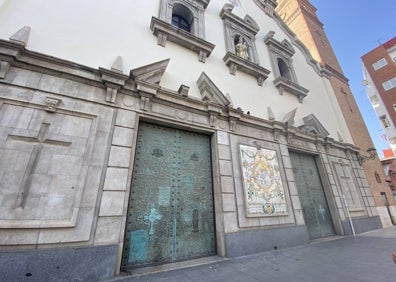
x,y
263,188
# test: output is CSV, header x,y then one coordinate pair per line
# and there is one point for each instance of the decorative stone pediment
x,y
210,92
268,6
313,125
274,45
151,73
147,80
217,102
247,24
288,46
250,21
203,3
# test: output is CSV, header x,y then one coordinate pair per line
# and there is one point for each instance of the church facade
x,y
152,132
300,16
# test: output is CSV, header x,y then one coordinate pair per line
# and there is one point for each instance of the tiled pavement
x,y
365,257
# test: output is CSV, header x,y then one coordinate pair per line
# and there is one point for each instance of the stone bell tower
x,y
300,16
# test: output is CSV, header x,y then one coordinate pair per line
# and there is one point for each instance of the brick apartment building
x,y
380,78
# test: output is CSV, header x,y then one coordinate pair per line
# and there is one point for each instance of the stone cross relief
x,y
346,183
38,143
151,218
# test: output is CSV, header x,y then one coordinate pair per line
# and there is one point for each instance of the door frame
x,y
327,188
216,188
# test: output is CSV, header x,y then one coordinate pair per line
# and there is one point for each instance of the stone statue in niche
x,y
242,49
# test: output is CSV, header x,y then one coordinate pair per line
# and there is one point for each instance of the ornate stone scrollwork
x,y
51,104
111,93
319,146
290,136
145,103
233,123
268,6
212,119
327,145
276,133
259,145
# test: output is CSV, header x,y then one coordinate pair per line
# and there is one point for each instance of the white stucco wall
x,y
95,32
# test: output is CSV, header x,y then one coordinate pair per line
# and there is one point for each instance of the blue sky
x,y
354,27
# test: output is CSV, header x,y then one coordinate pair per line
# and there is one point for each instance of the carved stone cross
x,y
347,184
152,217
38,143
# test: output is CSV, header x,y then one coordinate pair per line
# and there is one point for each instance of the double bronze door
x,y
170,214
312,198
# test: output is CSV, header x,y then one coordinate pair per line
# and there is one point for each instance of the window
x,y
377,177
379,64
182,17
385,121
284,69
182,22
281,54
240,45
389,84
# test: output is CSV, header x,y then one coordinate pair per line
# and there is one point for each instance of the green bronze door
x,y
313,201
170,214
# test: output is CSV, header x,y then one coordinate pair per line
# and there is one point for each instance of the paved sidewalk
x,y
365,257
